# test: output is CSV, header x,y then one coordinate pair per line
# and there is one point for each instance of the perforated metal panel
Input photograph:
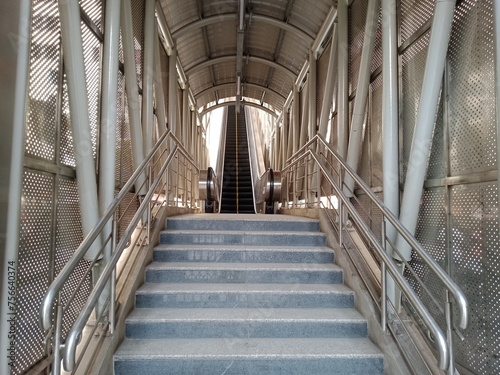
x,y
414,13
94,9
472,88
44,66
34,265
68,238
476,267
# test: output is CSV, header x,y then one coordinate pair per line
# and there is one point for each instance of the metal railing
x,y
171,181
314,176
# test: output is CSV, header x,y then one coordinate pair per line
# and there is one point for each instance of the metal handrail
x,y
57,285
450,285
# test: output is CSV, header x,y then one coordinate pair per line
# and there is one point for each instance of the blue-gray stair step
x,y
228,295
252,273
295,356
239,253
230,222
210,237
244,322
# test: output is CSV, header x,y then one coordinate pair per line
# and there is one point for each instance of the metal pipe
x,y
311,82
390,129
158,77
303,124
132,92
295,130
285,143
323,31
147,74
107,140
424,125
172,93
359,110
185,117
331,80
69,11
343,78
15,20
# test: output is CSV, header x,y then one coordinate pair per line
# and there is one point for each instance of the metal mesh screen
x,y
414,13
376,132
472,103
68,238
42,91
475,267
94,9
35,243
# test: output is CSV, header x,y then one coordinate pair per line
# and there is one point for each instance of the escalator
x,y
237,194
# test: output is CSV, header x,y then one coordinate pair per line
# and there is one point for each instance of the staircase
x,y
237,194
245,294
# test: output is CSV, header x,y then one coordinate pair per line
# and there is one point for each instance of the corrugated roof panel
x,y
179,13
308,15
214,7
222,38
225,72
262,39
275,9
191,49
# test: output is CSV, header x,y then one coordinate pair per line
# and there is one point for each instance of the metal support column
x,y
147,76
161,113
294,132
331,81
311,83
343,78
428,105
359,110
172,92
15,19
390,129
107,159
69,11
132,91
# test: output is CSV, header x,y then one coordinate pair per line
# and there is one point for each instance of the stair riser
x,y
245,225
245,276
245,300
242,329
243,239
250,366
228,256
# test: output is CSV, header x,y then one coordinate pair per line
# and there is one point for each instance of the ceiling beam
x,y
243,103
232,85
308,39
231,58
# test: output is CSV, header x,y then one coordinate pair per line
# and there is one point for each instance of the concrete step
x,y
229,295
230,222
245,238
244,322
238,253
252,273
295,356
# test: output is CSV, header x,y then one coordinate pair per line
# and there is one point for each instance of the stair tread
x,y
350,315
243,232
256,348
173,288
216,217
165,266
243,247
